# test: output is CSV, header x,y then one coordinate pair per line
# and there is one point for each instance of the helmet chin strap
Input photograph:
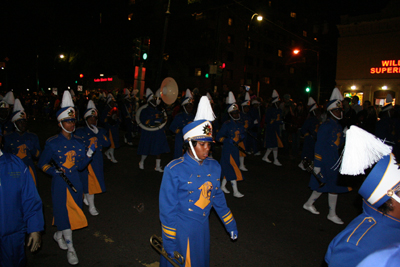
x,y
192,148
16,127
233,117
66,130
92,127
341,113
184,108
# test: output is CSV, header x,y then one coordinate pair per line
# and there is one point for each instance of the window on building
x,y
280,53
230,56
197,72
291,70
230,21
231,39
266,80
305,33
293,14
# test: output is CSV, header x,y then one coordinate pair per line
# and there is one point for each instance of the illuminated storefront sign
x,y
388,66
103,80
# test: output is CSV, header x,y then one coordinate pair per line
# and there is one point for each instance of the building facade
x,y
368,58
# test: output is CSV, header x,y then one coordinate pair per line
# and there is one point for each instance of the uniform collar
x,y
379,216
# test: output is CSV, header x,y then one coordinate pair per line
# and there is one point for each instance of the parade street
x,y
274,229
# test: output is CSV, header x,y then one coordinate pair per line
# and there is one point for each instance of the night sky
x,y
47,28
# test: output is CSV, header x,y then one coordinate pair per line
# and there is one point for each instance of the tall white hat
x,y
67,111
18,111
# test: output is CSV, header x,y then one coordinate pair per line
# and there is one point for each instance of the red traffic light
x,y
81,75
222,66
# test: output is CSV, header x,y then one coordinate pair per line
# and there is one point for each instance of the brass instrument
x,y
169,93
156,242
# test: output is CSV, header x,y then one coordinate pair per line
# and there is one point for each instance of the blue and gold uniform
x,y
180,121
188,192
329,140
71,156
309,130
152,142
93,176
20,210
231,135
25,146
370,231
273,120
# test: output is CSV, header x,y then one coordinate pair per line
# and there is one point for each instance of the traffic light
x,y
145,47
308,89
206,75
81,75
137,47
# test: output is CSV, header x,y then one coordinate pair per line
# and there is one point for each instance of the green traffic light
x,y
206,75
308,89
144,56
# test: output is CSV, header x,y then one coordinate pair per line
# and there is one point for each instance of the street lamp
x,y
297,51
259,18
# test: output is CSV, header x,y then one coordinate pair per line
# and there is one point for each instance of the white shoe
x,y
113,160
223,186
226,191
243,168
301,166
72,258
159,169
141,165
130,143
266,160
335,219
85,201
93,211
108,154
238,194
257,154
277,163
311,209
61,242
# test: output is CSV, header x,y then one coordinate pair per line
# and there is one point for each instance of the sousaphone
x,y
168,93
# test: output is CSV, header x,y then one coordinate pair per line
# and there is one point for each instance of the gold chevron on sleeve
x,y
228,217
46,167
169,232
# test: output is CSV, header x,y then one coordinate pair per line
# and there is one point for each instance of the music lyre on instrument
x,y
156,242
169,93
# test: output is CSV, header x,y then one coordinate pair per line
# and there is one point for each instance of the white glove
x,y
255,121
344,131
317,170
91,150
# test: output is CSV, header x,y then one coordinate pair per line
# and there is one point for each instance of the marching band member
x,y
111,121
184,217
247,122
309,131
273,121
93,176
231,135
69,152
22,143
378,226
329,141
152,142
126,114
5,106
180,121
255,114
21,211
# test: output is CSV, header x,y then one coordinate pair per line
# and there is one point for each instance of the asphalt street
x,y
274,229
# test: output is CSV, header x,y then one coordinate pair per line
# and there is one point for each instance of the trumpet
x,y
156,243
